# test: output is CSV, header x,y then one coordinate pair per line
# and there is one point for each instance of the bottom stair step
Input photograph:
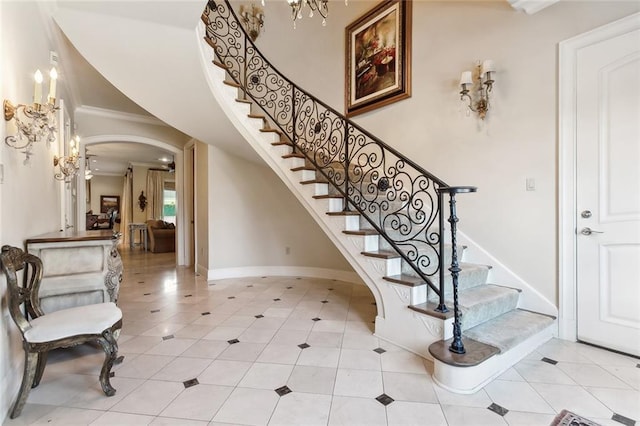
x,y
509,329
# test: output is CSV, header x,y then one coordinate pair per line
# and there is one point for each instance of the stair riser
x,y
466,279
488,310
270,137
255,123
335,204
385,266
281,149
307,175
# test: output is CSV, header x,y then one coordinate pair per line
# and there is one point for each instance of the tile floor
x,y
300,351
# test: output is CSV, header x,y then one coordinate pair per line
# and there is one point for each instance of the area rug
x,y
567,418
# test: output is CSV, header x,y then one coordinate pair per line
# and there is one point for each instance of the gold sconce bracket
x,y
9,110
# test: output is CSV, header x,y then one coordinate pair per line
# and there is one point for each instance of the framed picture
x,y
378,57
108,202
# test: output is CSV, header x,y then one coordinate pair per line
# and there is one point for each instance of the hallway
x,y
299,351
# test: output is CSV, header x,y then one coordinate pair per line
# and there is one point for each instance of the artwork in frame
x,y
109,202
378,57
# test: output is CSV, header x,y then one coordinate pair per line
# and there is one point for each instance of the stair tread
x,y
477,352
293,155
231,83
327,196
258,116
509,329
281,142
271,131
382,254
219,64
344,213
404,279
298,169
244,101
362,231
311,181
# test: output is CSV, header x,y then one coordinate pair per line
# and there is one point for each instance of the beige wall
x,y
253,219
202,201
105,185
518,140
30,198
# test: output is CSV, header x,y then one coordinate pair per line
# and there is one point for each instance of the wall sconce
x,y
252,20
69,165
142,201
34,122
483,86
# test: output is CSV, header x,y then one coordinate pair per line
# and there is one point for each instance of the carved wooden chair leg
x,y
110,347
42,362
30,364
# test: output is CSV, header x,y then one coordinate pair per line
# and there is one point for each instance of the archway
x,y
181,243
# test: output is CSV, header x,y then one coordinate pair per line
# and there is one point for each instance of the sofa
x,y
161,236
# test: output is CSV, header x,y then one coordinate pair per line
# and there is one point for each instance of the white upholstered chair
x,y
63,328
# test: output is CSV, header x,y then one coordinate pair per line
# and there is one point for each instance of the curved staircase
x,y
383,212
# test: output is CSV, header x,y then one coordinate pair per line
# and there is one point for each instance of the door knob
x,y
586,214
589,231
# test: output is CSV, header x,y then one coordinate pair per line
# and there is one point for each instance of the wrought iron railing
x,y
398,198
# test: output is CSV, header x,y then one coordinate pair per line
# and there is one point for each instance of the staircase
x,y
386,214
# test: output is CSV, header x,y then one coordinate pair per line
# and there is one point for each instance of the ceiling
x,y
91,89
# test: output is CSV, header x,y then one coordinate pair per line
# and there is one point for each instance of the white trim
x,y
567,211
531,6
119,115
283,271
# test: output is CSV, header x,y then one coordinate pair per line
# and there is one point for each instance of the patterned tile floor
x,y
300,351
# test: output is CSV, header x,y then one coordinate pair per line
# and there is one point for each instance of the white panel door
x,y
608,193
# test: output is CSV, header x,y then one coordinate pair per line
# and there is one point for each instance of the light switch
x,y
531,184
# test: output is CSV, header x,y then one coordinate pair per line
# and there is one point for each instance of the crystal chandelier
x,y
319,6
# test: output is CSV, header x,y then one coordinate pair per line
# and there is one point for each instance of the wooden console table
x,y
79,268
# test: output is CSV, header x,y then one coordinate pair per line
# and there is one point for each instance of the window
x,y
169,202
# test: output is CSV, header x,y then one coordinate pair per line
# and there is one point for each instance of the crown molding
x,y
531,6
119,115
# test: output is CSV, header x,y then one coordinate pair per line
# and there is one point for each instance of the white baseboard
x,y
283,271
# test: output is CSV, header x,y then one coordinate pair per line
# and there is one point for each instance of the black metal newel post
x,y
456,345
442,307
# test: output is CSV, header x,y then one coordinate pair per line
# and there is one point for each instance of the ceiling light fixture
x,y
319,6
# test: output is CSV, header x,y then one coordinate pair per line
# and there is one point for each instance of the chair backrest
x,y
13,260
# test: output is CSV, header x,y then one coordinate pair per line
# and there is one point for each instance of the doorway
x,y
600,186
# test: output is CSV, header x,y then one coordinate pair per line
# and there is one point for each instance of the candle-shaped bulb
x,y
37,91
465,78
53,75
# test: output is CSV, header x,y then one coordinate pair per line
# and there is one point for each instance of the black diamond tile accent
x,y
260,316
304,346
168,337
298,278
330,289
137,273
325,301
153,311
549,361
379,350
188,295
501,411
289,288
385,399
622,419
233,341
282,391
250,285
316,319
140,282
192,382
637,365
263,277
146,294
276,300
206,313
231,297
112,374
